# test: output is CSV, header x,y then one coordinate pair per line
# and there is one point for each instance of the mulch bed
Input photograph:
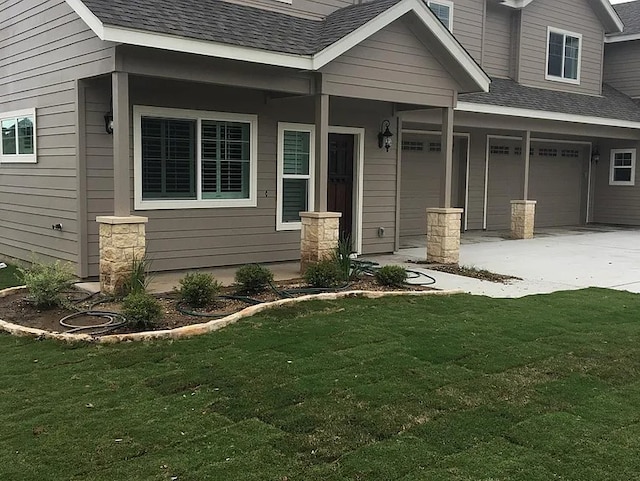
x,y
16,308
481,274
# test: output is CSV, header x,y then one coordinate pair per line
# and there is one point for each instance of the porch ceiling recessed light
x,y
384,136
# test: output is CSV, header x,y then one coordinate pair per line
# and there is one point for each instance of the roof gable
x,y
629,13
229,30
603,9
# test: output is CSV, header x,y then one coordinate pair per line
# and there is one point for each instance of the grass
x,y
440,388
9,277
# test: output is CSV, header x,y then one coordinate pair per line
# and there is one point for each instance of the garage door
x,y
557,181
420,182
505,182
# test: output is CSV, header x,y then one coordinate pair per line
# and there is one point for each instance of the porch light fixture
x,y
384,136
595,155
108,119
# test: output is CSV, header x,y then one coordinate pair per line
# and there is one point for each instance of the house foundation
x,y
318,237
523,214
122,240
443,235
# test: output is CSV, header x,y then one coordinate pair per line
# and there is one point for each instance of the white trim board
x,y
544,115
303,62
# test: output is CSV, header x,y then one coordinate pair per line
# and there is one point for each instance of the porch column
x,y
320,229
122,236
443,223
523,211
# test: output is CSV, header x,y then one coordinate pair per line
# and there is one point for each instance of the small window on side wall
x,y
443,9
296,144
18,143
623,167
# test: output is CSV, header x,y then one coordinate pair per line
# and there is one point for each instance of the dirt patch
x,y
481,274
16,308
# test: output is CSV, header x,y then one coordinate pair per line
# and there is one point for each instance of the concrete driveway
x,y
556,259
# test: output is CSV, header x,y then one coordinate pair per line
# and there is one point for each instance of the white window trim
x,y
554,78
282,126
20,158
140,111
612,167
448,4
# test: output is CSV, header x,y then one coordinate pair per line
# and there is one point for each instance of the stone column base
x,y
318,236
122,239
443,235
523,214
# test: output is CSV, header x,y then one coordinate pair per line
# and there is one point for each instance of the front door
x,y
340,182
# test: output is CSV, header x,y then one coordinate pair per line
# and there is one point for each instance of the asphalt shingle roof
x,y
629,13
234,24
507,93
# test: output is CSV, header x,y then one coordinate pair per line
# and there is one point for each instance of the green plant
x,y
342,257
198,289
141,309
47,282
253,278
391,276
139,278
324,273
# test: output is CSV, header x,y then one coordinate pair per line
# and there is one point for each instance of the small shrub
x,y
141,309
138,280
47,282
253,278
391,276
325,273
342,257
198,289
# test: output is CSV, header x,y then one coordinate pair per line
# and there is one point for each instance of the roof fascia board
x,y
430,21
88,17
622,38
544,115
201,47
518,4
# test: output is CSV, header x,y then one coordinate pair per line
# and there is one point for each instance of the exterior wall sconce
x,y
384,136
108,119
595,155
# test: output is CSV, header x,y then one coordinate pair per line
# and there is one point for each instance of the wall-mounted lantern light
x,y
595,155
108,119
384,136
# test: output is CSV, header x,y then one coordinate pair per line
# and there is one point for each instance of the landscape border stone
x,y
197,329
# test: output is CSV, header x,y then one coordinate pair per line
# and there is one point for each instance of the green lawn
x,y
9,277
439,388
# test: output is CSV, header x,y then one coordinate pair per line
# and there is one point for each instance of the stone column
x,y
122,239
318,237
443,235
523,214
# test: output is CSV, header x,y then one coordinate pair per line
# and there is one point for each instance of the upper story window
x,y
563,56
623,167
18,136
192,159
443,9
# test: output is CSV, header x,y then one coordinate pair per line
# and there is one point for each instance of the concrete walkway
x,y
559,259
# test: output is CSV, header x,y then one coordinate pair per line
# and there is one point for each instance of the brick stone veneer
x,y
443,235
523,214
122,239
318,237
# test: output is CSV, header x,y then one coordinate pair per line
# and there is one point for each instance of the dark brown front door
x,y
340,184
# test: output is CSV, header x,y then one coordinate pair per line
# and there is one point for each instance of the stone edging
x,y
203,328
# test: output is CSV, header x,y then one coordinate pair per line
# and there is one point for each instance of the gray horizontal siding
x,y
468,25
572,15
622,67
496,58
303,8
392,65
44,47
615,204
192,238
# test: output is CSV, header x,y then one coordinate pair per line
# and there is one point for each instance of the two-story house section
x,y
213,132
548,131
